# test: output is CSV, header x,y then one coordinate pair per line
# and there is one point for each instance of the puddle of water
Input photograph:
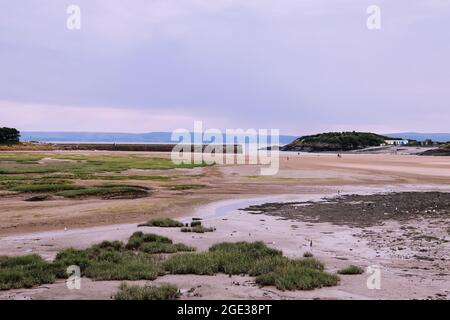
x,y
223,208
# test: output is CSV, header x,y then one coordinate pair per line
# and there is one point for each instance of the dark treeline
x,y
9,135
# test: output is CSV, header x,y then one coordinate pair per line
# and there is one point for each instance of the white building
x,y
396,142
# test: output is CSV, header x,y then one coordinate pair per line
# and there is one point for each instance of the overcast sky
x,y
302,66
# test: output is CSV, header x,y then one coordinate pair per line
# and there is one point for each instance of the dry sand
x,y
38,227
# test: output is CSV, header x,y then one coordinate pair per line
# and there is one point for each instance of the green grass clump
x,y
110,261
24,272
140,259
153,243
161,247
163,222
351,270
106,192
164,292
198,229
255,259
192,263
229,258
138,238
65,188
295,275
49,187
13,164
11,178
124,266
185,186
196,223
21,157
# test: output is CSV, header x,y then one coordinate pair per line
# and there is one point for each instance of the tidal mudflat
x,y
339,212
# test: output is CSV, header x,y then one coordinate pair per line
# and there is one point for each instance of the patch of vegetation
x,y
296,275
153,243
197,227
10,178
107,192
111,261
138,238
336,141
24,272
66,188
351,270
48,187
41,173
164,292
177,187
308,255
161,247
255,259
24,163
94,164
137,260
196,223
162,222
9,135
228,258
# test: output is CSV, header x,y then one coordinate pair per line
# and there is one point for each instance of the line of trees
x,y
9,135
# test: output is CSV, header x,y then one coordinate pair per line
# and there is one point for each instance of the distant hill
x,y
437,137
106,137
335,141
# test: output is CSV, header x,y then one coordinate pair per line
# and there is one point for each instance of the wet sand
x,y
305,174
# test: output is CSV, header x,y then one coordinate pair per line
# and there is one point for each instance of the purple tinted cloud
x,y
302,66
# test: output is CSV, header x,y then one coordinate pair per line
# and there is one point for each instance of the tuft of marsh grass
x,y
138,238
164,292
25,173
196,223
110,261
294,275
163,222
21,157
107,192
48,187
24,272
139,259
197,227
161,247
352,269
229,258
255,259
